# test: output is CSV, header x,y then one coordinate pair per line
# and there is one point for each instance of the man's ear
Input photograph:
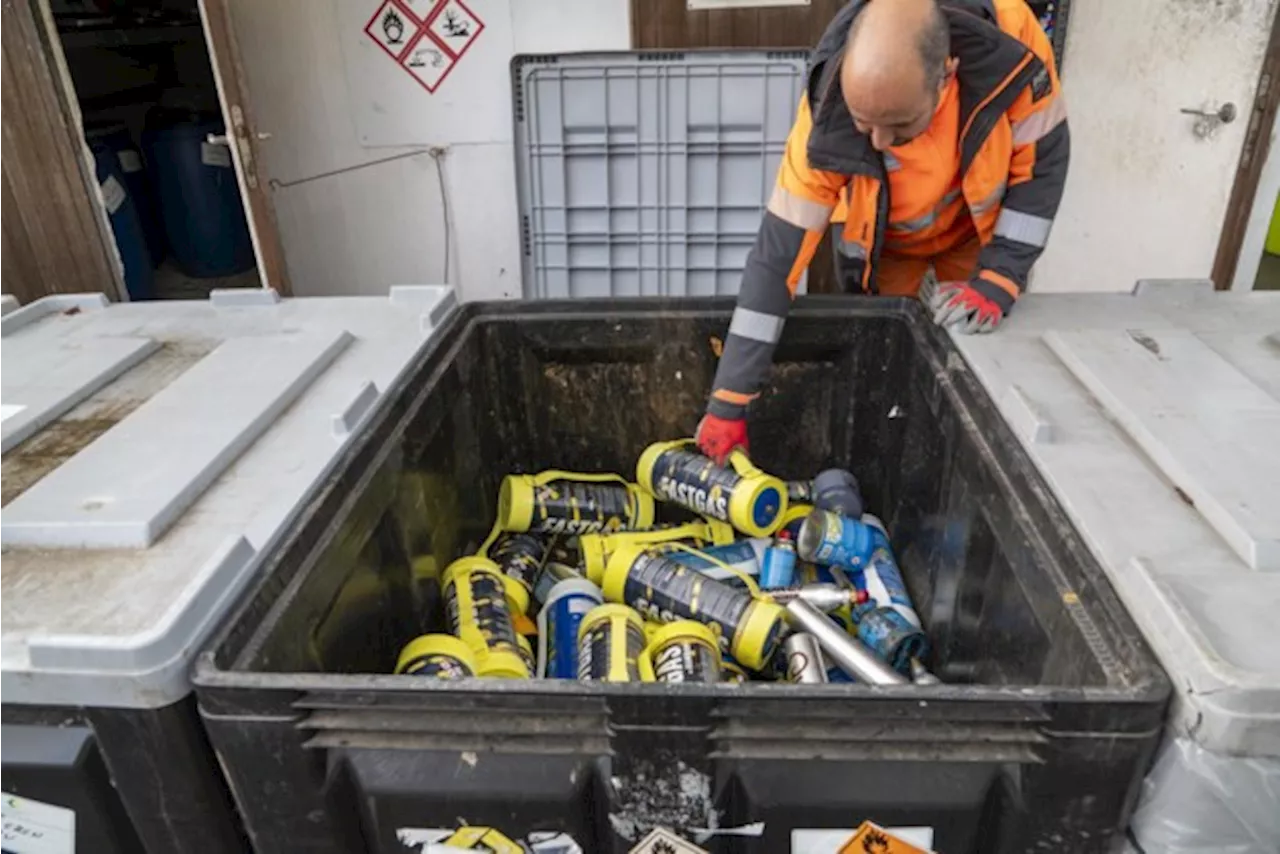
x,y
949,67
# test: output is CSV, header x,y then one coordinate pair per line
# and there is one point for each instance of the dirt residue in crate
x,y
657,395
670,795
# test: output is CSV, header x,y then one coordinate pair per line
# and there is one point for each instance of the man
x,y
933,135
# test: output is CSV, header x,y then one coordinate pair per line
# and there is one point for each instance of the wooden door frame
x,y
233,95
56,235
1253,156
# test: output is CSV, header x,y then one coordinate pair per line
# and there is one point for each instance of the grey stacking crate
x,y
645,174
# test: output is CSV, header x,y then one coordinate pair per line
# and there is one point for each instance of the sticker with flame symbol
x,y
425,37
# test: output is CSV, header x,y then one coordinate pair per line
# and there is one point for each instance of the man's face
x,y
895,114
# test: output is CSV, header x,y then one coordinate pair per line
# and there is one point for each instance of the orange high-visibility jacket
x,y
1014,147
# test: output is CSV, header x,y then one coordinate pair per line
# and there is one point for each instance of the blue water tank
x,y
137,182
199,198
139,273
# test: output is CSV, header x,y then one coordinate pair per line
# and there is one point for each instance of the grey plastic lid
x,y
1155,419
646,174
161,448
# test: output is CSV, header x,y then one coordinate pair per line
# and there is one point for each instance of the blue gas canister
x,y
888,622
778,569
881,577
833,540
558,623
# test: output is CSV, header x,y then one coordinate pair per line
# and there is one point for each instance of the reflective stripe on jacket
x,y
1014,147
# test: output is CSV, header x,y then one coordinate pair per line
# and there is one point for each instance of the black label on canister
x,y
438,665
519,556
685,660
595,651
488,613
665,591
580,508
694,481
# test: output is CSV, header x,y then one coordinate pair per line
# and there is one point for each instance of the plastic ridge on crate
x,y
49,380
184,437
647,178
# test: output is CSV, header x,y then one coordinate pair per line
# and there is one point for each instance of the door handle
x,y
1208,121
1225,114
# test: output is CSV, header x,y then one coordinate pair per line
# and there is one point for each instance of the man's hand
x,y
717,436
960,305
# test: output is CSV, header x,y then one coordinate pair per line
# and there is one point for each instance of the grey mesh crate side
x,y
645,174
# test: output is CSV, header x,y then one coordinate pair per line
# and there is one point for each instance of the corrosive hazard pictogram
x,y
425,37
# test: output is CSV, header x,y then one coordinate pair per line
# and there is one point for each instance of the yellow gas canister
x,y
596,548
559,502
685,651
662,589
438,656
611,644
741,494
478,599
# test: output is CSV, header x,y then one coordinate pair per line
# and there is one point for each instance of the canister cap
x,y
812,532
517,594
571,587
615,575
591,546
502,664
758,504
643,509
684,629
603,613
471,563
837,490
515,502
437,644
757,635
644,466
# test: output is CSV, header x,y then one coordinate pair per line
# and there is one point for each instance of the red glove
x,y
717,436
965,307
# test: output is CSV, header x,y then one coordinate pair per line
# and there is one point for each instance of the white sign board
x,y
32,827
833,841
428,72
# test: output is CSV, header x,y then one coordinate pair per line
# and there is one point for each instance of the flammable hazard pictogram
x,y
426,38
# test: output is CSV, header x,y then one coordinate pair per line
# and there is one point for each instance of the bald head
x,y
895,64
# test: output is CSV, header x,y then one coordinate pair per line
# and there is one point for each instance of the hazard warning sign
x,y
663,841
426,38
872,839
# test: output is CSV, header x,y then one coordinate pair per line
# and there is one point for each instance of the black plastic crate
x,y
136,779
1037,742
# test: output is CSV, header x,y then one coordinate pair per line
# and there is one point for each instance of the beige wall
x,y
1145,198
364,230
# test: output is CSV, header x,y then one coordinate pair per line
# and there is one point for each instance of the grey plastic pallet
x,y
645,174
